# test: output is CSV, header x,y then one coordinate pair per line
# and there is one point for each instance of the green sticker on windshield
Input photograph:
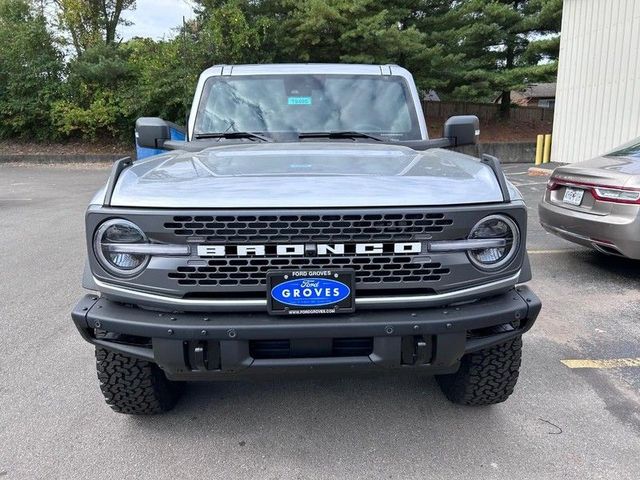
x,y
299,101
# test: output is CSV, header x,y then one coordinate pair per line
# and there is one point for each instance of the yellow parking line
x,y
610,363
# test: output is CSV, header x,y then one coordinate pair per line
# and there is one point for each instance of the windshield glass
x,y
379,105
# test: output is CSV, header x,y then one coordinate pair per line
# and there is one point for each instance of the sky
x,y
156,18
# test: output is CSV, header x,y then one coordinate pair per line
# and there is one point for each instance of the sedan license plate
x,y
309,292
573,196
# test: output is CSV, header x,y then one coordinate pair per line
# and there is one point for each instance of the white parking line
x,y
528,184
545,252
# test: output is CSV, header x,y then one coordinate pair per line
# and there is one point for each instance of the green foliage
x,y
464,49
362,31
506,44
31,71
100,94
100,116
91,22
166,77
227,36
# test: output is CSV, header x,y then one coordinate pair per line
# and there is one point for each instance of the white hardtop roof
x,y
312,68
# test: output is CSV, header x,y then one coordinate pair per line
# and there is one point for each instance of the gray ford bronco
x,y
304,222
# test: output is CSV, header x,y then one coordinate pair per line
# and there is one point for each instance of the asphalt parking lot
x,y
561,422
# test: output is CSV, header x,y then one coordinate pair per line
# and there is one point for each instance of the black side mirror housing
x,y
152,132
462,130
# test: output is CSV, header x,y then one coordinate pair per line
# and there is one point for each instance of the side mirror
x,y
462,130
152,132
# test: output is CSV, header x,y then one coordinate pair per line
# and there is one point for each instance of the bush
x,y
100,117
31,70
99,96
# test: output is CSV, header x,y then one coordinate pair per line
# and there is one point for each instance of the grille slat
x,y
236,271
316,228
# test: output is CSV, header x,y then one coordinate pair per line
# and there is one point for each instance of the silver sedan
x,y
597,203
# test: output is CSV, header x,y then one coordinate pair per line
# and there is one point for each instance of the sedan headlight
x,y
112,244
494,227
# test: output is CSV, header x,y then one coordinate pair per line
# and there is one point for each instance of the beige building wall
x,y
598,91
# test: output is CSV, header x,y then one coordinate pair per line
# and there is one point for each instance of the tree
x,y
165,77
99,96
506,44
90,22
232,31
31,70
365,31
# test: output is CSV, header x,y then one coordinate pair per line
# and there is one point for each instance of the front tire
x,y
134,386
485,377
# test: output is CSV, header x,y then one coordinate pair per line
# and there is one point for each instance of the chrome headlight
x,y
495,227
112,244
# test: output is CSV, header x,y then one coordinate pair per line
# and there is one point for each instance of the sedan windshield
x,y
379,105
629,149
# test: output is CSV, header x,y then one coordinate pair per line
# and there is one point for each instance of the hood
x,y
301,175
612,170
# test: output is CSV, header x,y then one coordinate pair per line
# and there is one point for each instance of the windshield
x,y
379,105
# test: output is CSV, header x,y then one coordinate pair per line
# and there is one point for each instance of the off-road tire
x,y
485,377
134,386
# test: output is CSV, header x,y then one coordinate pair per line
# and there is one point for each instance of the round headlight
x,y
109,244
495,227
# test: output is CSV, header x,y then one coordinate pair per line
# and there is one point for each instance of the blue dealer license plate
x,y
310,292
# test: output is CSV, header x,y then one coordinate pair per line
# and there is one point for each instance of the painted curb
x,y
47,159
539,172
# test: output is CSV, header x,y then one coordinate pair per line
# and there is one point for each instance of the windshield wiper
x,y
340,134
249,135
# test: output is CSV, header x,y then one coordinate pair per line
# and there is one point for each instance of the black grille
x,y
370,270
309,228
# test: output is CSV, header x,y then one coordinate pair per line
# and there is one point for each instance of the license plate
x,y
310,292
573,196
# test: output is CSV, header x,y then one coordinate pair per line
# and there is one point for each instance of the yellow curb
x,y
610,363
539,172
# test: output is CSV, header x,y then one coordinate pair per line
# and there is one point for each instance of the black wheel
x,y
134,386
485,377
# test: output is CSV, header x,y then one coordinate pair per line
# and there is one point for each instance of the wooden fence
x,y
485,111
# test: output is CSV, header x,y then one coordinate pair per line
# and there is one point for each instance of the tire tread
x,y
485,377
133,386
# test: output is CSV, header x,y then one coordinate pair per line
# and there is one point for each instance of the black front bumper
x,y
192,346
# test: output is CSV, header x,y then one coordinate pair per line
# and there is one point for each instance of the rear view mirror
x,y
462,130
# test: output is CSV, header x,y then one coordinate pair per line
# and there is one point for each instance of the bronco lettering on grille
x,y
320,249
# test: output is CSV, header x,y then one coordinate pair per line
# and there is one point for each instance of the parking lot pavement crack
x,y
558,429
